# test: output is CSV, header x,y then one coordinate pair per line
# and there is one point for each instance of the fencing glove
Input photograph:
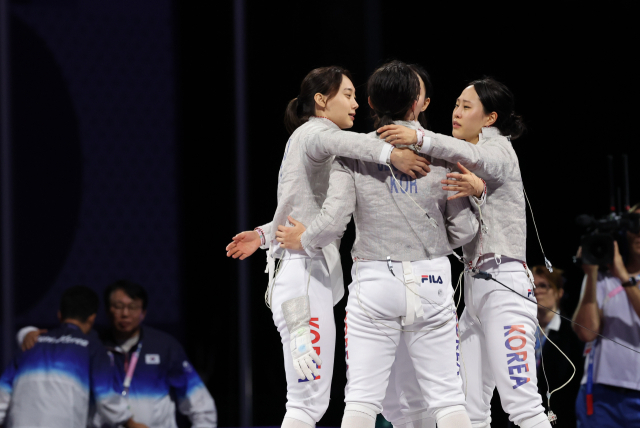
x,y
297,314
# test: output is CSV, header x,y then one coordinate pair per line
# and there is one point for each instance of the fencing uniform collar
x,y
324,120
488,132
411,124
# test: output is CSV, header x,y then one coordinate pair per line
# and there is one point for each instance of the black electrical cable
x,y
487,276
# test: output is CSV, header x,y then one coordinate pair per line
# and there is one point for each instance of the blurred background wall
x,y
94,152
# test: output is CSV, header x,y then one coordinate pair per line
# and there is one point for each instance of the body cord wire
x,y
547,263
549,309
545,374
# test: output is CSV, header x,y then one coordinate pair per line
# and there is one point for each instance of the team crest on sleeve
x,y
152,359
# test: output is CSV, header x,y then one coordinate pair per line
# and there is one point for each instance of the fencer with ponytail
x,y
323,80
496,97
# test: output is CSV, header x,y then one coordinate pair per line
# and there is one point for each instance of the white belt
x,y
414,304
271,266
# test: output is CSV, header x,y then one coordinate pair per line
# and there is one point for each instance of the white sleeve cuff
x,y
23,333
311,252
426,145
477,201
481,200
385,153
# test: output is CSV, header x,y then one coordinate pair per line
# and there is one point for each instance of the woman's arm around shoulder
x,y
494,159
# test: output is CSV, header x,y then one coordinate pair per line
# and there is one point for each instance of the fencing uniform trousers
x,y
403,404
307,400
497,335
377,301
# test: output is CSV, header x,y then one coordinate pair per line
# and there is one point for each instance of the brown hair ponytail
x,y
324,80
495,96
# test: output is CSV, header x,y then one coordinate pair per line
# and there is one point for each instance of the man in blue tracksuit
x,y
52,384
151,366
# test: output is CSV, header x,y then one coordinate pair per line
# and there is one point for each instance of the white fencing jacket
x,y
388,222
494,160
303,181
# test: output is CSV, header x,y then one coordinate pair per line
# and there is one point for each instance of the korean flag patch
x,y
152,359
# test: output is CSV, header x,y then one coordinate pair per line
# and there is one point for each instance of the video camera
x,y
597,242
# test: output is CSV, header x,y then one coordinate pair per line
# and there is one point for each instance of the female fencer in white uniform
x,y
303,291
497,327
401,288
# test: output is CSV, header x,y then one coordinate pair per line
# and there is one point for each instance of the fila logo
x,y
432,279
529,293
152,359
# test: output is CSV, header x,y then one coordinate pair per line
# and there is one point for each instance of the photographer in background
x,y
610,304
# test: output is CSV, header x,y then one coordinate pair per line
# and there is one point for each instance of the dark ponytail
x,y
324,80
291,119
496,97
428,90
392,90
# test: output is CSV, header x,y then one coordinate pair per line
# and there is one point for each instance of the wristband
x,y
420,137
263,240
631,283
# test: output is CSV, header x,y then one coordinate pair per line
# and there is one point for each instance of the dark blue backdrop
x,y
94,152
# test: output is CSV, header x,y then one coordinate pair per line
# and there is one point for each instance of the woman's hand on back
x,y
289,236
466,184
398,135
410,163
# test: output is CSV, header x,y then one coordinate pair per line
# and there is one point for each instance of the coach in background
x,y
610,303
557,369
151,366
50,384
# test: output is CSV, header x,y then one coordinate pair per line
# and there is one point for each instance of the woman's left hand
x,y
289,236
398,135
466,184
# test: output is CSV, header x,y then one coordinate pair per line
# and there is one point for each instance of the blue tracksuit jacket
x,y
163,377
52,384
